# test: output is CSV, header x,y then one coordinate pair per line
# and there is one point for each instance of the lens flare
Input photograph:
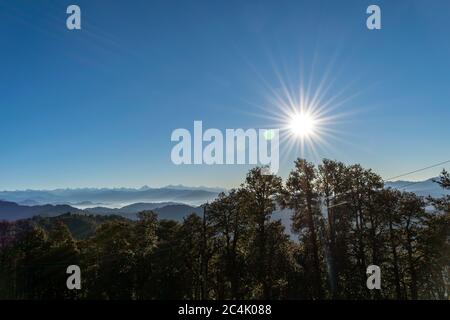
x,y
310,114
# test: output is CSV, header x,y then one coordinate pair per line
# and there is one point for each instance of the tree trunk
x,y
398,289
316,261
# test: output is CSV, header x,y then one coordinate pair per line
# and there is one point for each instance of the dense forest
x,y
343,218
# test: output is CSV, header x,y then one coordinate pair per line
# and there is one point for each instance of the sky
x,y
96,107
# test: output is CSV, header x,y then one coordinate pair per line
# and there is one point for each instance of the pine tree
x,y
301,196
262,191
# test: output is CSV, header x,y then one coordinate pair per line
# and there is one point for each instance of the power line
x,y
418,170
395,177
338,204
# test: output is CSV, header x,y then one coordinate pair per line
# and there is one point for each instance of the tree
x,y
229,219
412,215
444,180
191,236
62,251
302,197
30,280
169,265
113,250
388,202
145,242
262,191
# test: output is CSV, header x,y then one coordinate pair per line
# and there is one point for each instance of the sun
x,y
302,124
308,114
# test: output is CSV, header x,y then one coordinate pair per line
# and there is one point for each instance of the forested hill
x,y
81,226
239,250
11,211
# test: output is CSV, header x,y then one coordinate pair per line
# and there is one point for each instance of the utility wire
x,y
395,177
418,170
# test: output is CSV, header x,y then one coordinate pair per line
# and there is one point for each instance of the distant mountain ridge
x,y
421,188
111,196
183,187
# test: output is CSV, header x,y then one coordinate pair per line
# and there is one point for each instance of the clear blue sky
x,y
96,107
